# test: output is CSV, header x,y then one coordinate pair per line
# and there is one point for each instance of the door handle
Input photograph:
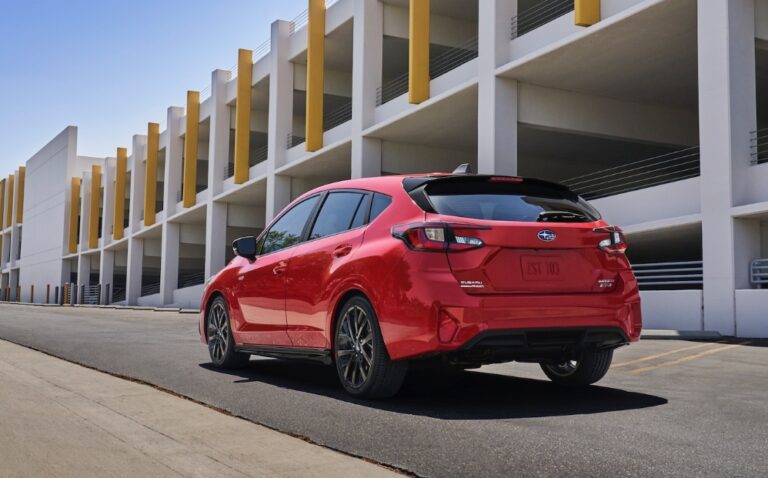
x,y
342,250
279,268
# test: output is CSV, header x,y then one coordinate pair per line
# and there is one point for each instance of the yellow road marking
x,y
664,354
688,357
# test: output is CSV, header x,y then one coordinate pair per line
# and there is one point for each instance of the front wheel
x,y
590,367
221,343
363,365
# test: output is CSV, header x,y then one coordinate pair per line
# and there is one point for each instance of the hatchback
x,y
457,270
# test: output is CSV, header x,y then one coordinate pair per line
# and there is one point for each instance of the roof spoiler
x,y
463,169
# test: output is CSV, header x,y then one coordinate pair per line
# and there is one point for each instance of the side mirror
x,y
245,247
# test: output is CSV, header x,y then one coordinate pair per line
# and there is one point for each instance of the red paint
x,y
513,281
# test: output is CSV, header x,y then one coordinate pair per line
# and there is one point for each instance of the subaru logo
x,y
547,236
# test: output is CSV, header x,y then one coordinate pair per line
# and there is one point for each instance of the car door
x,y
261,290
335,234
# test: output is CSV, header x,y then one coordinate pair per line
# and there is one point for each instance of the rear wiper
x,y
561,216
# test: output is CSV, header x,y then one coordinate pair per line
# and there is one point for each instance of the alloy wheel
x,y
218,332
354,349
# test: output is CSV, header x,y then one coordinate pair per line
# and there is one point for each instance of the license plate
x,y
542,268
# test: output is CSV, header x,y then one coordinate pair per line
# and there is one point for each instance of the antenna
x,y
463,169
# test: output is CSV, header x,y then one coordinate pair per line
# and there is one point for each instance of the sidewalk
x,y
60,419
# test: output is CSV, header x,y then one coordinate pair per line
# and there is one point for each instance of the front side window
x,y
287,231
341,212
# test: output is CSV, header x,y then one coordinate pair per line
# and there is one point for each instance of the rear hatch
x,y
537,237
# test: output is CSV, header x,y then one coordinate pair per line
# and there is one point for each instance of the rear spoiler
x,y
411,184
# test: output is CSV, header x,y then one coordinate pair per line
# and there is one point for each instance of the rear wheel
x,y
590,367
221,343
363,365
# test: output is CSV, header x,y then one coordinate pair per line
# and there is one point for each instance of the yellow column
x,y
587,12
150,175
418,57
189,187
9,203
315,74
93,216
243,114
74,214
121,172
2,210
2,205
20,195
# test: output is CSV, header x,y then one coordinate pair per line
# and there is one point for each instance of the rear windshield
x,y
503,200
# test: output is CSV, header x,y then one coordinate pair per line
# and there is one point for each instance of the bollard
x,y
56,295
18,293
108,295
47,294
32,294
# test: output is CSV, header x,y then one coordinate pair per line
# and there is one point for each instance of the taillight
x,y
615,243
438,236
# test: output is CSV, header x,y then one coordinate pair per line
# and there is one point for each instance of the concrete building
x,y
656,110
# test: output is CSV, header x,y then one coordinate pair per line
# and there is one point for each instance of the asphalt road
x,y
671,408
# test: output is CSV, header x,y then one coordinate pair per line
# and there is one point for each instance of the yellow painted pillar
x,y
93,213
243,114
2,206
74,214
587,12
150,174
9,203
315,74
121,173
418,54
20,195
189,187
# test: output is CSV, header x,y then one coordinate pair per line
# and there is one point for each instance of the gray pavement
x,y
669,407
61,419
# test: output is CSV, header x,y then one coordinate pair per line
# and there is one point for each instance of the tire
x,y
588,369
360,356
221,343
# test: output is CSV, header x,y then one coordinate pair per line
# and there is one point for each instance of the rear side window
x,y
502,200
380,203
287,231
340,212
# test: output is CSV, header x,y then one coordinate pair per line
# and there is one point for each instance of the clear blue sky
x,y
110,66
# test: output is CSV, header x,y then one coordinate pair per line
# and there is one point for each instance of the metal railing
x,y
441,64
664,275
663,169
90,294
255,157
758,273
191,279
118,294
303,18
150,289
341,115
293,140
540,14
759,146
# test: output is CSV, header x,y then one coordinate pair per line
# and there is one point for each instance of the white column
x,y
496,97
726,58
367,49
218,146
106,273
169,261
83,275
133,272
138,172
280,116
108,211
215,237
173,153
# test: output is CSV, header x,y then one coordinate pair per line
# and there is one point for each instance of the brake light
x,y
438,236
615,243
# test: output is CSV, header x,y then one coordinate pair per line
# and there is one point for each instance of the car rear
x,y
531,271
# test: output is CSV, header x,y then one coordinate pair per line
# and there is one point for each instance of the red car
x,y
461,269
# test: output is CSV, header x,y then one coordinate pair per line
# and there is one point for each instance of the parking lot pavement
x,y
61,419
667,408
